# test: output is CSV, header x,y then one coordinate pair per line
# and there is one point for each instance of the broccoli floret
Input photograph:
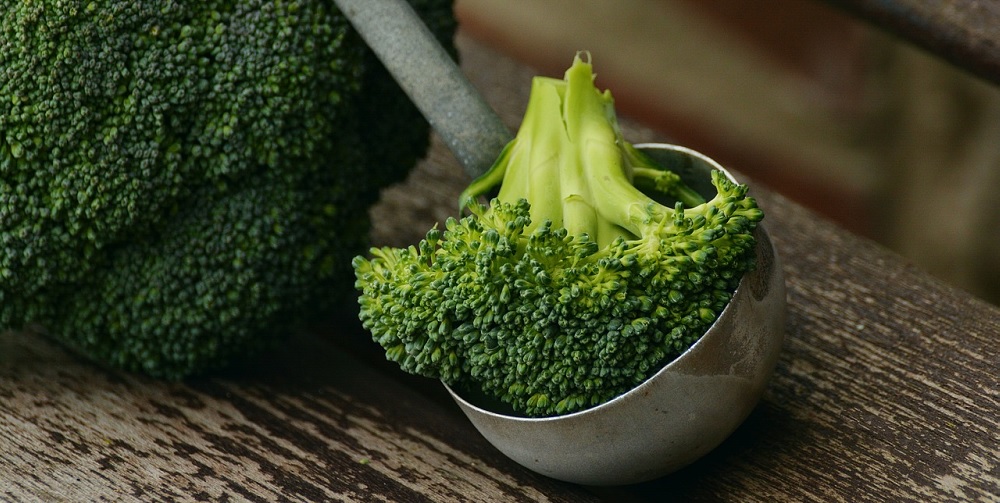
x,y
182,181
591,268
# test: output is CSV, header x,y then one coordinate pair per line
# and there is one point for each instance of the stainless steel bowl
x,y
683,411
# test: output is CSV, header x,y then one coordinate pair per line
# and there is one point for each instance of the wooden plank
x,y
887,389
309,423
965,33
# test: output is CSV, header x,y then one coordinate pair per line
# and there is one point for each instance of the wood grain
x,y
887,390
310,423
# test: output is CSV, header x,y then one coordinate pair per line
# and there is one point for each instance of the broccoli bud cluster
x,y
181,181
510,301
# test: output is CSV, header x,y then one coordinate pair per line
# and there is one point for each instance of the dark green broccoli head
x,y
179,181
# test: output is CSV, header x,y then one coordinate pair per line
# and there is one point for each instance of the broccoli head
x,y
182,181
591,268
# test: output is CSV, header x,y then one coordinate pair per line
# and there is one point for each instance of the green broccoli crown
x,y
181,180
573,285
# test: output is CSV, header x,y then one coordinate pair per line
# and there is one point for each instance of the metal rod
x,y
432,80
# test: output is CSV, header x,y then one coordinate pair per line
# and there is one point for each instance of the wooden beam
x,y
965,33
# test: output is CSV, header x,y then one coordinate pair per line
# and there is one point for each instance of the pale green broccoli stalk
x,y
183,181
576,283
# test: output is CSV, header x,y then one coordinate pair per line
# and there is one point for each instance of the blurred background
x,y
862,128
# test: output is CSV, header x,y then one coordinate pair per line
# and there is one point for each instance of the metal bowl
x,y
683,411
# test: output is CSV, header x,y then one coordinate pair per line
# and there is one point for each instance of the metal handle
x,y
432,80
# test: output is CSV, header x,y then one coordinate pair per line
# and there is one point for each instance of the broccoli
x,y
590,269
182,182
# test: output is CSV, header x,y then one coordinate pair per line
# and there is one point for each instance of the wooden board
x,y
886,390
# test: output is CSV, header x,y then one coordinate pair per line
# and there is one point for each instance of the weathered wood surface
x,y
965,33
887,390
311,423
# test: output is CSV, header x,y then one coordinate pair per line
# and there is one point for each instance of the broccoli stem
x,y
651,177
579,173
